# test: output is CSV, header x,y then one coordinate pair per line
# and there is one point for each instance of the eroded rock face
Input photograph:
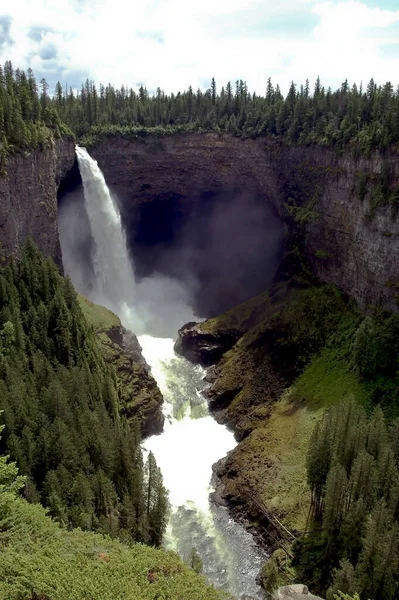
x,y
28,198
342,243
202,347
139,394
296,591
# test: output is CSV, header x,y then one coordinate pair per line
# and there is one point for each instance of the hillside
x,y
41,560
302,353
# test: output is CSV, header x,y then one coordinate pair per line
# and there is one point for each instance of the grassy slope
x,y
40,560
100,317
280,443
278,415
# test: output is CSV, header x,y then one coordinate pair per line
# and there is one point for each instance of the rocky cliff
x,y
28,198
138,392
350,239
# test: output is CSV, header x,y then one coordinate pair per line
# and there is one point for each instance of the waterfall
x,y
192,440
114,279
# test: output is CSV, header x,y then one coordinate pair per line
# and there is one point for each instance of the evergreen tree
x,y
61,410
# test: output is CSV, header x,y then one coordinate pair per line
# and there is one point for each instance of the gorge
x,y
229,555
321,223
346,239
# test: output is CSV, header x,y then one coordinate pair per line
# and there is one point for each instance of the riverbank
x,y
289,364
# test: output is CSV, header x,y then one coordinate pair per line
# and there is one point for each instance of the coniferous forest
x,y
59,399
362,117
60,407
353,473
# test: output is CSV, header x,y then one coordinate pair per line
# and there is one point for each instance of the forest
x,y
59,399
352,116
353,473
41,560
60,404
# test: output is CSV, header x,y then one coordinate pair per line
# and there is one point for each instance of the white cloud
x,y
175,43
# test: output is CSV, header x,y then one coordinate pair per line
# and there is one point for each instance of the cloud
x,y
48,52
36,32
5,27
174,43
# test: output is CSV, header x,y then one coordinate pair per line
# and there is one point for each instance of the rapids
x,y
192,441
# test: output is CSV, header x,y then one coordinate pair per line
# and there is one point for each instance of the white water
x,y
192,441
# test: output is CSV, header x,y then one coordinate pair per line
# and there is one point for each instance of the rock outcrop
x,y
202,347
28,198
295,591
138,392
348,240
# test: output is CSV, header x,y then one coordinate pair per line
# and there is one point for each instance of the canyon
x,y
310,190
302,214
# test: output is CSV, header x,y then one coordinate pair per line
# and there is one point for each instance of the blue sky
x,y
176,43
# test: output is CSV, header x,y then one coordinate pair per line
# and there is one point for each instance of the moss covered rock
x,y
138,392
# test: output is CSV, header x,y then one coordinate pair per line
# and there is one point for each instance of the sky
x,y
176,43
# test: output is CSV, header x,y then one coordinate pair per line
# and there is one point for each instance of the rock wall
x,y
28,198
139,394
343,244
347,241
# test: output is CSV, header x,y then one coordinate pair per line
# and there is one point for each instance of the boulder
x,y
296,591
202,347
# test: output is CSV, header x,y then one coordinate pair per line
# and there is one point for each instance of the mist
x,y
225,248
189,259
157,305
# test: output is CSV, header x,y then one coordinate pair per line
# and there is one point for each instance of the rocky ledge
x,y
294,592
139,395
202,347
138,390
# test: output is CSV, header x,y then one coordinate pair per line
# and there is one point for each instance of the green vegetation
x,y
62,411
353,474
138,394
27,119
364,119
41,560
302,353
98,316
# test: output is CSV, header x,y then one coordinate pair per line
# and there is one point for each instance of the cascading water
x,y
192,441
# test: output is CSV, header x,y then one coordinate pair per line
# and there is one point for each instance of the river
x,y
95,256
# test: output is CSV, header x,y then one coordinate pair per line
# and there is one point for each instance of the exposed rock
x,y
28,198
139,393
342,243
295,591
203,347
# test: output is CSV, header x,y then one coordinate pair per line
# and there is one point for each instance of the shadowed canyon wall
x,y
349,238
28,198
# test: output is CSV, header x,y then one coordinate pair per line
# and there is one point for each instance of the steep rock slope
x,y
28,198
138,392
350,230
350,234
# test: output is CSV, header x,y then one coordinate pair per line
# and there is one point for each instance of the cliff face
x,y
138,392
28,198
344,243
351,240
